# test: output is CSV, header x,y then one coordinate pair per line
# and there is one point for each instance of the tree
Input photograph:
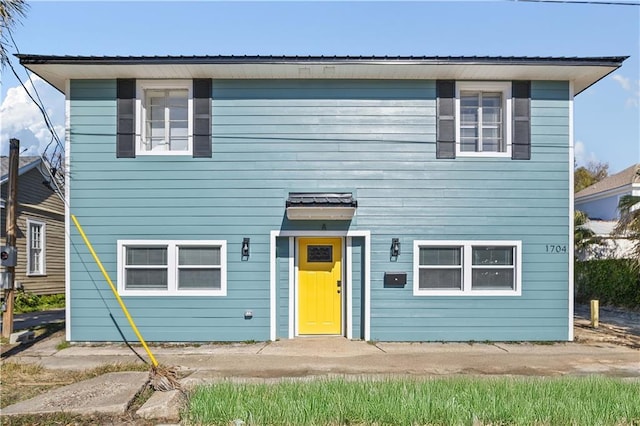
x,y
10,12
583,237
585,176
629,223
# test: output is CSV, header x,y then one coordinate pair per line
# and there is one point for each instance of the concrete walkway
x,y
310,357
35,319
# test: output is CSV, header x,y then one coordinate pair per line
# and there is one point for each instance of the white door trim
x,y
292,278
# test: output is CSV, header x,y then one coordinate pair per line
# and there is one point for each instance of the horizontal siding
x,y
38,203
373,138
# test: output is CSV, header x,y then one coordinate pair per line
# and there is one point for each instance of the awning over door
x,y
321,206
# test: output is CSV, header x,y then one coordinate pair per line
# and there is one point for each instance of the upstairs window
x,y
483,114
163,117
165,121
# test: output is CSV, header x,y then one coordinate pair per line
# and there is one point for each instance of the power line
x,y
38,103
55,170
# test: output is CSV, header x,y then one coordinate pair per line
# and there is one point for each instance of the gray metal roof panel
x,y
321,199
221,59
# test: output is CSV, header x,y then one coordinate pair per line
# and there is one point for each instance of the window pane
x,y
35,261
199,279
491,132
469,132
445,279
179,129
179,113
199,255
156,144
470,99
178,97
492,255
468,116
491,100
491,145
158,102
491,115
468,145
156,129
156,112
146,256
440,256
146,279
178,144
492,279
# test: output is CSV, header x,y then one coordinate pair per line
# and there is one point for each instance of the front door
x,y
320,286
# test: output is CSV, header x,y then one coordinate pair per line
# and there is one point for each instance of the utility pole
x,y
11,227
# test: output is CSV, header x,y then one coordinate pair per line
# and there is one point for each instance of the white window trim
x,y
467,268
43,242
172,261
141,86
486,86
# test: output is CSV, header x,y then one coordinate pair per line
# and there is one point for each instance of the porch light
x,y
245,247
395,247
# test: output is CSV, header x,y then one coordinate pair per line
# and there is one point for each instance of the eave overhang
x,y
582,71
320,206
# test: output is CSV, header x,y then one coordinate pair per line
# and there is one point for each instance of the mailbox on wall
x,y
395,278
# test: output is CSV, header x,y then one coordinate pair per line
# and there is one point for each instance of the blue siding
x,y
374,138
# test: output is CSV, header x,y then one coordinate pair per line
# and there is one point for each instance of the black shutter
x,y
446,119
202,117
126,112
521,142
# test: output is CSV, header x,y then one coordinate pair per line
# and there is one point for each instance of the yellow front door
x,y
320,286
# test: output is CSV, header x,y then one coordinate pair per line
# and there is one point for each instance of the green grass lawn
x,y
447,401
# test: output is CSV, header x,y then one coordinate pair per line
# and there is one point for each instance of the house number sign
x,y
556,249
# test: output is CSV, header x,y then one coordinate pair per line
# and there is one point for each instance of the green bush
x,y
612,281
29,302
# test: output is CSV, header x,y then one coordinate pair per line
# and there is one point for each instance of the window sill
x,y
460,293
484,154
183,293
36,274
164,153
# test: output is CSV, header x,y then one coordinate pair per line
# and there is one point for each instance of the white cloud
x,y
20,118
624,81
582,156
630,86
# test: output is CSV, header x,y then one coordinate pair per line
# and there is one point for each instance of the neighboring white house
x,y
600,202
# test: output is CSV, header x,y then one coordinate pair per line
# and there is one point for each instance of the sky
x,y
607,115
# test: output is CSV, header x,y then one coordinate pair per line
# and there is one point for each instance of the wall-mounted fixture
x,y
395,247
395,279
245,247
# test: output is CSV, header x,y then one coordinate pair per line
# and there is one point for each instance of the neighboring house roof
x,y
582,71
24,165
627,177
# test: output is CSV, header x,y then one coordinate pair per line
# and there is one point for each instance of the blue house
x,y
242,198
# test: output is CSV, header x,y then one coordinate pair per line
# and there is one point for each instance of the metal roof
x,y
321,199
582,71
215,59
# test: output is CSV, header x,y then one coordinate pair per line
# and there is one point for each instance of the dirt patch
x,y
617,326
